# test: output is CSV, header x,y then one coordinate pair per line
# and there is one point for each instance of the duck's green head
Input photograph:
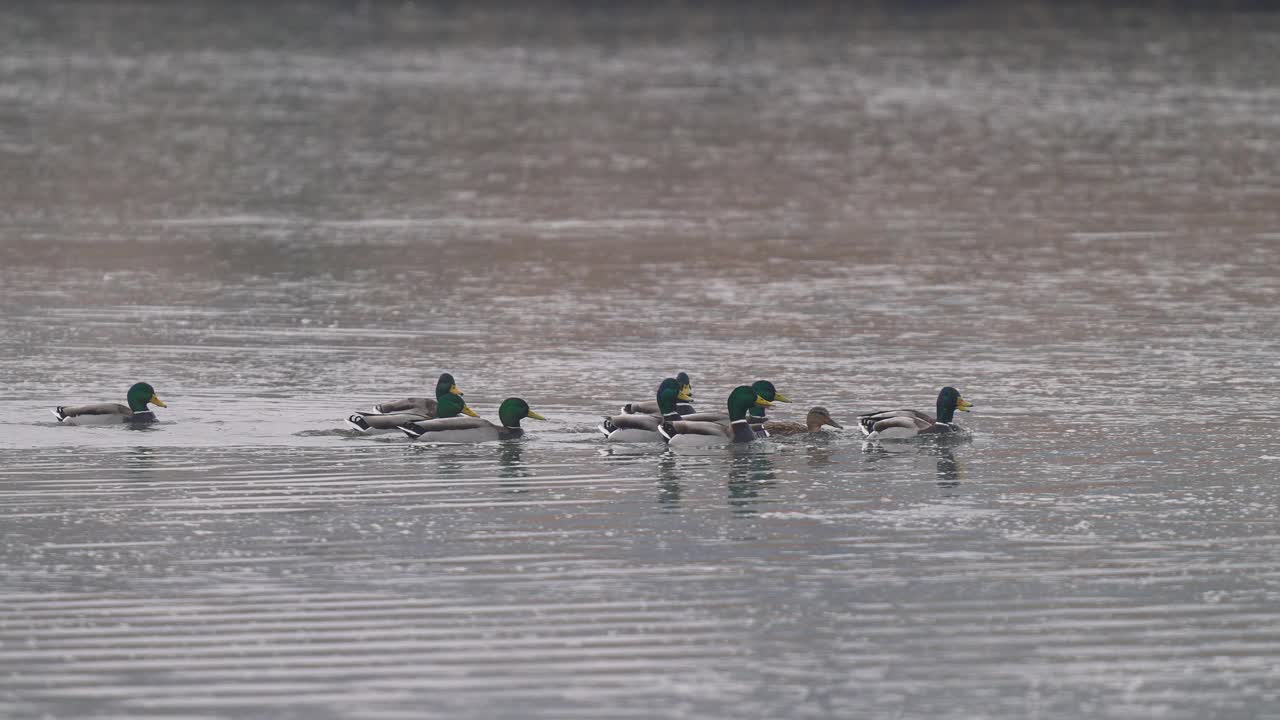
x,y
513,410
446,386
949,401
450,405
140,395
669,392
742,399
686,388
766,390
681,384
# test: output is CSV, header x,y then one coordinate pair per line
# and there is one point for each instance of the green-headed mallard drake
x,y
904,424
813,422
445,385
650,407
692,433
135,413
471,430
756,418
448,406
634,428
389,416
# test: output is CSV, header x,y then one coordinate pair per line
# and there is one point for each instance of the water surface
x,y
280,215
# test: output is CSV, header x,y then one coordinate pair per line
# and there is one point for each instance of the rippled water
x,y
278,216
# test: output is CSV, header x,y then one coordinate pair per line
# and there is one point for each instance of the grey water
x,y
278,214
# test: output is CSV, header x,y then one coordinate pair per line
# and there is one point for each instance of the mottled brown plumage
x,y
813,422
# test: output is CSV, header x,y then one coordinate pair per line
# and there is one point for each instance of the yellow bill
x,y
686,393
466,410
535,415
155,400
762,402
455,390
779,397
963,405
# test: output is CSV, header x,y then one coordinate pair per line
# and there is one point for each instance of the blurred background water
x,y
278,214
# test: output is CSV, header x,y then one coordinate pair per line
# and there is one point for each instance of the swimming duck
x,y
813,422
470,430
650,407
445,385
687,433
633,428
391,415
135,413
756,418
904,424
448,406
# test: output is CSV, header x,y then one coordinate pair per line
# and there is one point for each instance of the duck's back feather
x,y
700,427
631,428
650,407
376,423
783,427
870,419
419,406
101,414
899,427
720,418
455,429
633,422
95,409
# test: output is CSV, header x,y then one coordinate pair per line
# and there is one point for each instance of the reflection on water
x,y
948,467
442,460
669,493
820,451
280,215
143,458
751,474
512,469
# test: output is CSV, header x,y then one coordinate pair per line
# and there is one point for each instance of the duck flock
x,y
669,418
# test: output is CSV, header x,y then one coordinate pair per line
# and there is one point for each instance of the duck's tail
x,y
59,412
667,430
866,423
413,431
606,426
890,429
357,422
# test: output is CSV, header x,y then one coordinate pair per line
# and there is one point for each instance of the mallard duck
x,y
756,418
136,412
650,407
389,416
682,433
448,406
422,406
904,424
813,422
634,428
471,430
